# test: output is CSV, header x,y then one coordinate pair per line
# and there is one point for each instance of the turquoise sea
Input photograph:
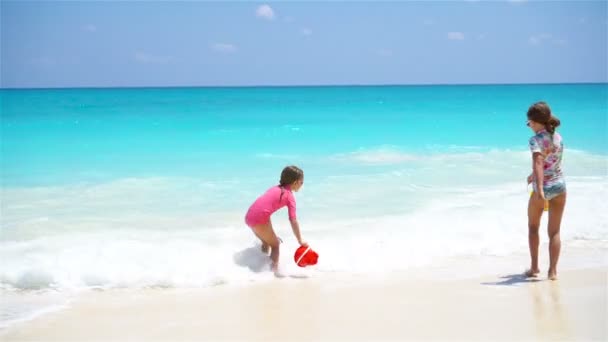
x,y
148,187
89,135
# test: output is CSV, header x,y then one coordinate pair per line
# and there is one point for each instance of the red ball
x,y
305,256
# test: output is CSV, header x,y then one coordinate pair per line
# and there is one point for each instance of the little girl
x,y
275,198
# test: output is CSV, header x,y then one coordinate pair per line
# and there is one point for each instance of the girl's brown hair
x,y
289,175
541,113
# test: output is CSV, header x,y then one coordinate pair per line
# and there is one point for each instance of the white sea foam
x,y
82,246
368,212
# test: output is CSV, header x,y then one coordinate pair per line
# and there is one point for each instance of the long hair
x,y
541,113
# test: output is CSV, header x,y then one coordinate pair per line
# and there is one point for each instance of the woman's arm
x,y
538,162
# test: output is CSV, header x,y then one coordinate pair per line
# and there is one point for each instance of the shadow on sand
x,y
258,262
513,279
252,258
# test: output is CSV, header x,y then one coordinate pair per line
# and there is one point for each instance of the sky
x,y
46,44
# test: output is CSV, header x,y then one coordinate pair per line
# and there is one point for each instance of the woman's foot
x,y
552,275
532,272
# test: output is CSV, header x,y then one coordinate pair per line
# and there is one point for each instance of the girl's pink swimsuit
x,y
268,203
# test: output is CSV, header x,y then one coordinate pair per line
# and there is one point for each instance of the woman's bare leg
x,y
535,211
556,212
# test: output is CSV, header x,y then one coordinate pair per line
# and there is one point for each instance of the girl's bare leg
x,y
535,211
556,211
266,234
265,247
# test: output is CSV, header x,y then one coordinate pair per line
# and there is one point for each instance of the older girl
x,y
548,182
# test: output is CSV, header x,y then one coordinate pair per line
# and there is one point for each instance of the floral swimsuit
x,y
551,146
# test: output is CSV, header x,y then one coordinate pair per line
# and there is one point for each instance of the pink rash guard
x,y
268,203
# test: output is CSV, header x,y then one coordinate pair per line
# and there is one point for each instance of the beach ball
x,y
305,256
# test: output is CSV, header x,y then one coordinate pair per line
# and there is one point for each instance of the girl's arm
x,y
538,162
296,231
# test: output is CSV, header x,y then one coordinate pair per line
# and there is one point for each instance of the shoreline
x,y
402,305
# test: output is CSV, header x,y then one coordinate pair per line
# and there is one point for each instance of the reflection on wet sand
x,y
551,321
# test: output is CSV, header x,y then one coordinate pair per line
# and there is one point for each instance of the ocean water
x,y
136,188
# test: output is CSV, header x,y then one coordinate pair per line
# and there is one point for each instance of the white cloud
x,y
541,38
560,41
265,12
306,31
146,58
455,36
384,52
90,28
224,47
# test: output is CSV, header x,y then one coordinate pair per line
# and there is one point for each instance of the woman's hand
x,y
303,243
541,194
530,178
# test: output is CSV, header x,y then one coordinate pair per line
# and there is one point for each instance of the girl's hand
x,y
541,194
530,178
303,243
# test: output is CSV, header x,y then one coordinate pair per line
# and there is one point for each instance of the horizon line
x,y
300,85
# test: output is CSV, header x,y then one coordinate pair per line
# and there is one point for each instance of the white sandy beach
x,y
397,307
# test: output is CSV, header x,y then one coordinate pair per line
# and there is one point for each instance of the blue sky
x,y
146,43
